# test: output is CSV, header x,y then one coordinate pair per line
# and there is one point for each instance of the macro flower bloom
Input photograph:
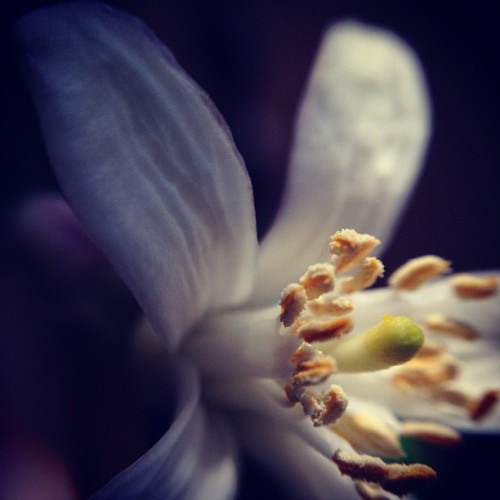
x,y
277,346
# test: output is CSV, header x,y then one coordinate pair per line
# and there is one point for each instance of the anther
x,y
417,271
369,434
349,248
482,407
331,304
431,366
478,408
292,302
305,352
314,371
318,279
468,286
324,408
426,373
396,478
370,269
439,323
322,330
430,432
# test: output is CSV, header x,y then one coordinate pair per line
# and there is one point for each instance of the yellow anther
x,y
417,271
439,323
324,330
324,408
292,302
426,372
393,341
369,434
467,286
305,352
330,304
349,248
318,279
429,349
312,372
477,408
430,432
394,477
370,269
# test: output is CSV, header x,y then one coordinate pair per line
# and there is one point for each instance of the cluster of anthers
x,y
317,310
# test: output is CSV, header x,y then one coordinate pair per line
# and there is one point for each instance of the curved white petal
x,y
242,343
361,133
144,158
304,473
196,458
283,438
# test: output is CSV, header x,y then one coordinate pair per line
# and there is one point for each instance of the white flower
x,y
151,170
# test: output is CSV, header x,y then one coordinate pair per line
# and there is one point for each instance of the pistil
x,y
392,342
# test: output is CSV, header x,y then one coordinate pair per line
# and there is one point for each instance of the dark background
x,y
253,59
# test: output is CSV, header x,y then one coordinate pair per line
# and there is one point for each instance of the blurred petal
x,y
144,159
360,136
28,469
194,459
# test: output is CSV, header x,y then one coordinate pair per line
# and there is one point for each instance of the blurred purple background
x,y
65,379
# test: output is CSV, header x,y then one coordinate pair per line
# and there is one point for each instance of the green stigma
x,y
393,341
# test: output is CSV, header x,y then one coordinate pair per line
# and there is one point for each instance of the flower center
x,y
317,309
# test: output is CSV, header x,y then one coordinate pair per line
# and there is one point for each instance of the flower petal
x,y
303,471
361,131
282,437
242,343
145,160
196,458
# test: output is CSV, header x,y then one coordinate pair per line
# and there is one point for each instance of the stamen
x,y
318,279
349,247
479,409
314,371
417,271
430,432
369,434
324,408
431,382
425,373
396,478
312,367
305,352
329,303
430,367
371,268
321,331
439,323
392,342
292,302
468,286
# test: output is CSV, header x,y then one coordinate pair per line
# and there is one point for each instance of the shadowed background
x,y
252,58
